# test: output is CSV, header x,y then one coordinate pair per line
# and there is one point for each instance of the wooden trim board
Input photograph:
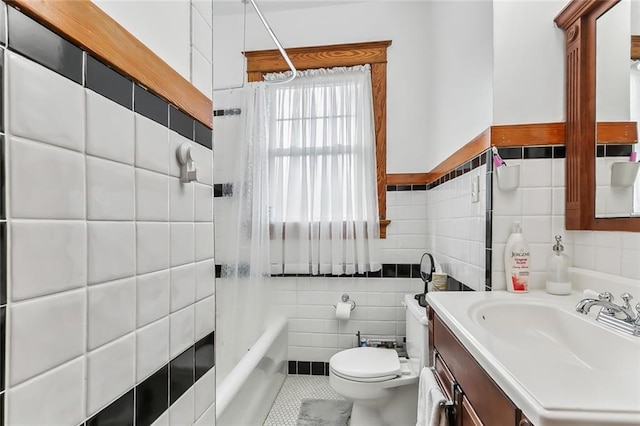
x,y
515,135
88,26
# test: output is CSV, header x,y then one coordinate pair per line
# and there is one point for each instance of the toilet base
x,y
399,410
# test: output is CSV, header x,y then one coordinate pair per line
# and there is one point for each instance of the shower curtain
x,y
305,196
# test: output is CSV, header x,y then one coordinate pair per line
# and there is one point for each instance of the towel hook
x,y
345,298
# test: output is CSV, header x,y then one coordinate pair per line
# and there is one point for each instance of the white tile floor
x,y
296,388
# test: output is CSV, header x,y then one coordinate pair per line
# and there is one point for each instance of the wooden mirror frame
x,y
578,20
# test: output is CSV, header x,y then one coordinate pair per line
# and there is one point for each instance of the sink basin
x,y
554,333
561,368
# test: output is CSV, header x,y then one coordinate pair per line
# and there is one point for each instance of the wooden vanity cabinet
x,y
477,399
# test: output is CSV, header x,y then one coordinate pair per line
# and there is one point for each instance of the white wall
x,y
402,22
459,79
163,26
528,62
178,31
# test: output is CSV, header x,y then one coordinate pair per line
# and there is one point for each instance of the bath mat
x,y
324,412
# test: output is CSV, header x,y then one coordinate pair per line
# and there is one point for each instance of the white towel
x,y
431,401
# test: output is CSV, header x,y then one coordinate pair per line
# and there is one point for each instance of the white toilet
x,y
383,387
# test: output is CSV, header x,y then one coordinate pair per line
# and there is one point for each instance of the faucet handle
x,y
626,297
606,296
637,321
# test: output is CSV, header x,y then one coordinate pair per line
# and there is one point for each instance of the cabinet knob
x,y
525,422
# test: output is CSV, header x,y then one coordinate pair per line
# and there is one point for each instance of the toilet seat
x,y
366,364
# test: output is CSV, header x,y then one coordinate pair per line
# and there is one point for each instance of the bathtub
x,y
246,394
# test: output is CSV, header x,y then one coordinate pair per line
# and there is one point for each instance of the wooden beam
x,y
476,146
617,132
635,47
86,25
527,134
407,178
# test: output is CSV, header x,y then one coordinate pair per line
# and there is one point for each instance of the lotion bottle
x,y
516,261
558,270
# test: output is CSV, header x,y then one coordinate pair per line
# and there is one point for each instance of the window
x,y
322,148
374,53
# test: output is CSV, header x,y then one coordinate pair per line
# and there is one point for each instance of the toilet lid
x,y
366,364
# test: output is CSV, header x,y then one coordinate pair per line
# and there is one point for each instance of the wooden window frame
x,y
261,62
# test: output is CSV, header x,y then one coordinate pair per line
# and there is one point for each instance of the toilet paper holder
x,y
345,298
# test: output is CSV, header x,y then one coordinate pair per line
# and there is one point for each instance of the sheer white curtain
x,y
322,173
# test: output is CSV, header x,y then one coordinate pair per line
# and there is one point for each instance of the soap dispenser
x,y
558,270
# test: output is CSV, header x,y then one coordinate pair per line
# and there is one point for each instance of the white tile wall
x,y
110,190
456,228
92,242
314,332
53,178
59,250
62,392
110,372
57,117
539,205
202,46
104,322
110,129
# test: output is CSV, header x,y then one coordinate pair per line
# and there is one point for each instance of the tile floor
x,y
296,388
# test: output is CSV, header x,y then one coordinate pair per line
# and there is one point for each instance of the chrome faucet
x,y
621,317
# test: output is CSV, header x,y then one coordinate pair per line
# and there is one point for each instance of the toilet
x,y
382,386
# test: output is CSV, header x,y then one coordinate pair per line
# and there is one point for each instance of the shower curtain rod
x,y
294,71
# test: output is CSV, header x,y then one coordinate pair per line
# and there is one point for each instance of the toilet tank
x,y
417,338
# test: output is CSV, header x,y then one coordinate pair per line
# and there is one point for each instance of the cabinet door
x,y
468,416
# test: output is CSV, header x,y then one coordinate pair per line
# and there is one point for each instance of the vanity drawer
x,y
492,406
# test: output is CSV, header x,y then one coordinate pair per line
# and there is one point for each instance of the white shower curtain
x,y
304,198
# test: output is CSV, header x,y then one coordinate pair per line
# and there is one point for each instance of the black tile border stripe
x,y
611,150
474,163
150,105
108,82
222,190
38,43
120,412
389,270
160,389
400,188
34,42
3,179
3,330
3,267
308,368
180,122
227,112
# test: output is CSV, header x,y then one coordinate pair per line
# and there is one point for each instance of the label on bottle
x,y
520,270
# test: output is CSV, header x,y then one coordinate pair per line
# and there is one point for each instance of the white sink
x,y
554,334
558,366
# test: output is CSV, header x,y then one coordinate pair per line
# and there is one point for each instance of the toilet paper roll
x,y
343,310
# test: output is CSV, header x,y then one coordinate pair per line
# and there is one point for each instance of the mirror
x,y
616,177
427,268
579,21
